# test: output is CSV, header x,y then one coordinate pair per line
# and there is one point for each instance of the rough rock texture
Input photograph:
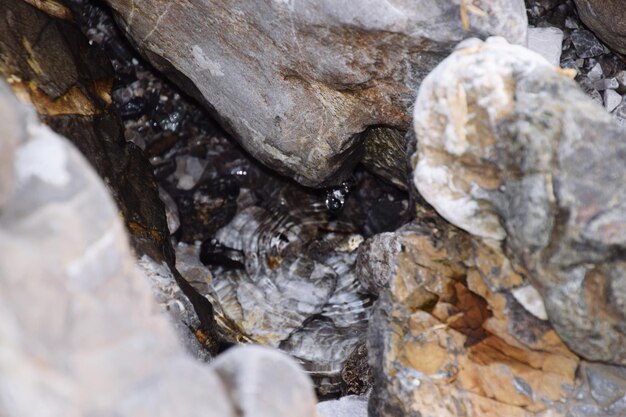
x,y
460,332
448,338
510,149
607,18
296,81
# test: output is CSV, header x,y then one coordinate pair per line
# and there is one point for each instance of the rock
x,y
547,42
374,264
448,338
611,100
607,18
80,332
264,382
70,83
586,44
385,155
605,84
296,83
349,406
516,151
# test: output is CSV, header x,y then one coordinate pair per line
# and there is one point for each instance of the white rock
x,y
612,99
547,42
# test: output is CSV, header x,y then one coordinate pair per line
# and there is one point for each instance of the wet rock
x,y
607,18
265,382
546,42
260,67
80,332
516,151
586,44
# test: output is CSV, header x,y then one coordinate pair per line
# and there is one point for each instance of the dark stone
x,y
586,44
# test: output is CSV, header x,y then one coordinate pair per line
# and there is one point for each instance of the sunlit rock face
x,y
297,81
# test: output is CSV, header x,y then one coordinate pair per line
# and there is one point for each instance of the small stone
x,y
547,42
605,84
350,406
621,80
611,100
595,73
586,44
265,382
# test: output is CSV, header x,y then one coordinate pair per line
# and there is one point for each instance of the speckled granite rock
x,y
510,150
296,81
607,18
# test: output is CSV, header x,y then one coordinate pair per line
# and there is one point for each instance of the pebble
x,y
586,44
547,42
621,80
611,100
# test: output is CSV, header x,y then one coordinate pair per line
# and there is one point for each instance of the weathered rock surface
x,y
80,333
607,18
296,82
547,42
69,82
448,338
509,149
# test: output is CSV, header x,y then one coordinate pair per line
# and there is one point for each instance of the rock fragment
x,y
547,42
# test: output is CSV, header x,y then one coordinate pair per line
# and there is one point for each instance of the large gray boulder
x,y
607,18
514,152
297,81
